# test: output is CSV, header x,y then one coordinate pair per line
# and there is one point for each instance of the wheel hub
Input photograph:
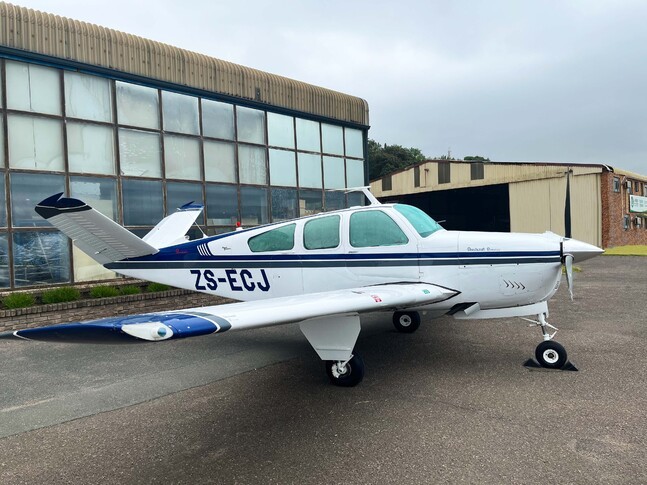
x,y
405,320
551,356
339,369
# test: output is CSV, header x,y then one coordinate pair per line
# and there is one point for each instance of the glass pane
x,y
309,170
280,130
40,258
182,157
90,148
87,269
354,143
33,88
137,106
355,173
283,169
334,176
27,190
222,205
251,125
308,135
4,261
253,206
179,193
284,204
322,233
140,153
334,201
1,91
35,143
2,165
3,203
143,205
310,202
217,119
251,163
374,228
219,161
356,199
280,239
99,193
333,139
180,113
87,97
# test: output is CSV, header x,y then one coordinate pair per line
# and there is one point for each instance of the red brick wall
x,y
615,205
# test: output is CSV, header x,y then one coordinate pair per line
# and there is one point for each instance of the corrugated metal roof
x,y
51,35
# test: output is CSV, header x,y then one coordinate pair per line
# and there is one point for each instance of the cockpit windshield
x,y
420,221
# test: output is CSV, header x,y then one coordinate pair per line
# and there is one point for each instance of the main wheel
x,y
551,354
347,376
406,322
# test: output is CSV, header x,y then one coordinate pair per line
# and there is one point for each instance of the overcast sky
x,y
511,80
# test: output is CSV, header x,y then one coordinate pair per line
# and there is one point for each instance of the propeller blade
x,y
568,264
567,206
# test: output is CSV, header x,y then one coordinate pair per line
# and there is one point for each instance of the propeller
x,y
568,266
567,205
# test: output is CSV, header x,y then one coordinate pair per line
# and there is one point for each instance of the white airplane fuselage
x,y
497,270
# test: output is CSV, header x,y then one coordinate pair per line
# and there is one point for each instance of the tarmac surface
x,y
449,403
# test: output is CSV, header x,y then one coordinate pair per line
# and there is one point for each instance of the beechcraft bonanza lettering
x,y
322,272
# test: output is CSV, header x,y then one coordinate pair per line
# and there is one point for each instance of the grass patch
x,y
18,300
130,290
576,269
155,287
639,250
104,292
60,295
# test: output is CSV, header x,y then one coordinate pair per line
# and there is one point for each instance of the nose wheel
x,y
551,355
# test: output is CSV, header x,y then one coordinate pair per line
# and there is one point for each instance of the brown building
x,y
608,206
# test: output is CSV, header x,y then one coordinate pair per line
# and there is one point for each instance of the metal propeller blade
x,y
568,264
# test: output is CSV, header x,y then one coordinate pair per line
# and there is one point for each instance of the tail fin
x,y
171,229
95,234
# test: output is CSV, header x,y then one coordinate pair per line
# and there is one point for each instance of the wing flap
x,y
239,316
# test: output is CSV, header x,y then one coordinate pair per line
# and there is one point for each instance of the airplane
x,y
322,272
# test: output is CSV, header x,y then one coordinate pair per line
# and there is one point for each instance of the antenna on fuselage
x,y
366,190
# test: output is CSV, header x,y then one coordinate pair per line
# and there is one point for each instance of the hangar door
x,y
485,208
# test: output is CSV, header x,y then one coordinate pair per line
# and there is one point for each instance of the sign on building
x,y
637,204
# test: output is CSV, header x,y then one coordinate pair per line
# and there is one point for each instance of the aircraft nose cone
x,y
581,250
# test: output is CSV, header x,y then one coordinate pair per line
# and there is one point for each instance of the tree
x,y
384,159
476,158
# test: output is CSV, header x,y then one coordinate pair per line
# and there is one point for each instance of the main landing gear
x,y
406,322
549,354
346,374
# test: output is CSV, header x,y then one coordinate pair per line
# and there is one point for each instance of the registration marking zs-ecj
x,y
242,280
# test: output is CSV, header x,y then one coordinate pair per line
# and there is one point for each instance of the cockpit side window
x,y
420,221
321,233
280,239
375,228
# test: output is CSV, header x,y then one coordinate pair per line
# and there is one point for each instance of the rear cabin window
x,y
375,228
321,233
280,239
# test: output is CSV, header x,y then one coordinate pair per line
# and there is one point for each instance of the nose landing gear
x,y
549,353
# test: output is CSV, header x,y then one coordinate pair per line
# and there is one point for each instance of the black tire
x,y
406,322
353,375
551,355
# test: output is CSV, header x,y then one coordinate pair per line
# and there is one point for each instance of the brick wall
x,y
76,311
615,205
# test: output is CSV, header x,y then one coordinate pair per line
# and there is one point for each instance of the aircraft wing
x,y
238,316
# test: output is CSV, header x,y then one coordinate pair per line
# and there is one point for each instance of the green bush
x,y
18,300
130,290
154,287
60,295
104,292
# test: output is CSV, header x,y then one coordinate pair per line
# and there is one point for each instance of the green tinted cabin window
x,y
375,228
420,221
281,239
322,233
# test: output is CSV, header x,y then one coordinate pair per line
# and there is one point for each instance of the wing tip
x,y
56,204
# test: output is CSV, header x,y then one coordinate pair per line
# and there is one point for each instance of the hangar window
x,y
219,161
284,204
87,97
33,88
375,228
180,113
444,173
416,176
90,148
217,119
140,153
137,105
477,171
321,233
182,154
251,125
387,182
280,239
616,184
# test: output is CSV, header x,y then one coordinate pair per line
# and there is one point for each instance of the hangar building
x,y
138,128
608,206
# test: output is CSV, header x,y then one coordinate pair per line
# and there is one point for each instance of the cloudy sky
x,y
511,80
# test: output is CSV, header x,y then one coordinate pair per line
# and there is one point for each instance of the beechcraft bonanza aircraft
x,y
322,272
